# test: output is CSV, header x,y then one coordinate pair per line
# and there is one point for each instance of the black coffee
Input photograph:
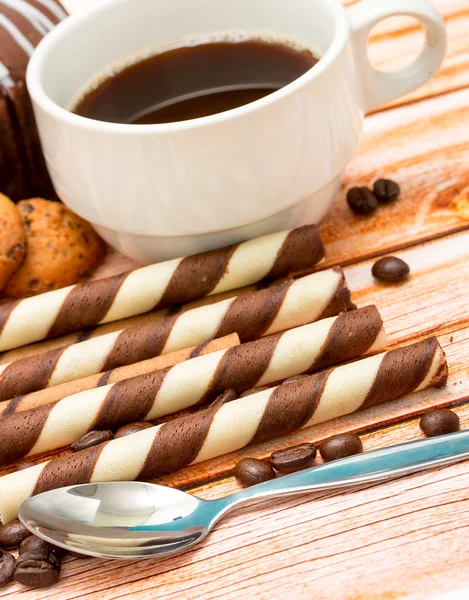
x,y
194,81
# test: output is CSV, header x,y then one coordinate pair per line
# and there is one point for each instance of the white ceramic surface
x,y
158,191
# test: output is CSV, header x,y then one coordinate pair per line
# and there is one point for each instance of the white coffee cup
x,y
159,191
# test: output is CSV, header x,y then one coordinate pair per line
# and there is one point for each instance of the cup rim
x,y
45,102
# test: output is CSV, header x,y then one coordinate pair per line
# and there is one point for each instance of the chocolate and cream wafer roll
x,y
144,319
228,427
58,392
147,397
261,313
158,286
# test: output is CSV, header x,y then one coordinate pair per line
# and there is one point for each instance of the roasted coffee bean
x,y
227,396
131,428
294,458
33,571
93,438
12,535
250,471
59,552
340,446
362,200
386,190
7,567
439,422
295,378
35,545
390,268
38,563
44,553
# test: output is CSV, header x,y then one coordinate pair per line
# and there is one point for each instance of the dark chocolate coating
x,y
22,168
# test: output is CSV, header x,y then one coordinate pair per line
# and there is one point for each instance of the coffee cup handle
x,y
378,87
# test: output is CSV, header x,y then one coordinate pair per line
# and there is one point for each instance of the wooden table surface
x,y
406,538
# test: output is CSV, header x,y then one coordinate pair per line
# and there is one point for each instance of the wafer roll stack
x,y
158,286
228,427
58,392
305,349
280,307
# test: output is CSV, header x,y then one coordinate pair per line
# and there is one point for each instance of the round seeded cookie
x,y
12,239
62,249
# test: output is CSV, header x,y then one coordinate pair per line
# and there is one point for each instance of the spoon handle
x,y
377,465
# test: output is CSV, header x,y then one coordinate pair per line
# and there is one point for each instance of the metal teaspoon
x,y
135,519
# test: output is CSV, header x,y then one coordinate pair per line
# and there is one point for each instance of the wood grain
x,y
425,148
403,539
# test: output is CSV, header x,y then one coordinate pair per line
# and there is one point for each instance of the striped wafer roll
x,y
58,392
224,428
305,349
158,286
280,307
144,319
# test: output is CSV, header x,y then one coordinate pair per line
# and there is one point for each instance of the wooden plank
x,y
434,298
425,148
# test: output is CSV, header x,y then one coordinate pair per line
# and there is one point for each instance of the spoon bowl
x,y
120,519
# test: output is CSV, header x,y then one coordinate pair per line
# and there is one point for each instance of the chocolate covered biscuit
x,y
147,397
228,427
23,23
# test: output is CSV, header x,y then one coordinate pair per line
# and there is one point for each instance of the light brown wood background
x,y
404,539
